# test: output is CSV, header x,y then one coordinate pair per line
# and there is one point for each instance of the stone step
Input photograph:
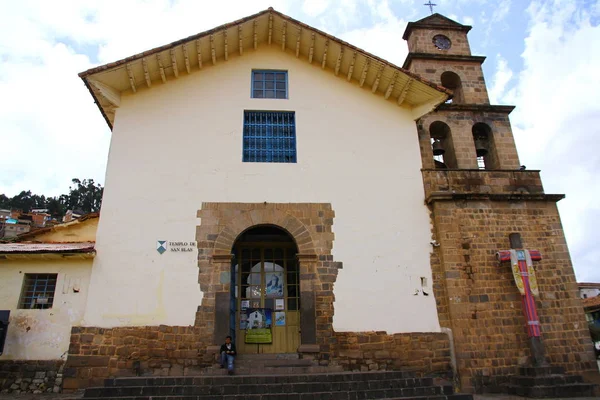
x,y
541,371
279,370
397,393
298,396
232,388
552,391
545,380
258,379
278,356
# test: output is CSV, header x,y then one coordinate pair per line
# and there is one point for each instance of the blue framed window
x,y
38,291
269,136
269,84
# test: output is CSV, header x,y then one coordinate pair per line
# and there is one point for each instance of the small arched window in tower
x,y
484,146
451,80
441,145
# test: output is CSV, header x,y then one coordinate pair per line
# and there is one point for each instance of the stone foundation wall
x,y
24,376
425,353
478,299
98,353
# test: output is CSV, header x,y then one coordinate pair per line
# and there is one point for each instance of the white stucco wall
x,y
589,292
43,334
179,144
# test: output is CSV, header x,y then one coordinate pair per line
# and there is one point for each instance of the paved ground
x,y
52,396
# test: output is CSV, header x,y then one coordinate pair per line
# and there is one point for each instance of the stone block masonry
x,y
479,301
425,353
21,376
98,353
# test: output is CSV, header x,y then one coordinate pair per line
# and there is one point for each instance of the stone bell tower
x,y
478,195
467,132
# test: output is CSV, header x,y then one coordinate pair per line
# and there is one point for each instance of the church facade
x,y
304,196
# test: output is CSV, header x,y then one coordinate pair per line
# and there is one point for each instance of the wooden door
x,y
267,278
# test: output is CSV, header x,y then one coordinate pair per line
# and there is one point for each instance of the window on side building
x,y
269,84
38,291
269,136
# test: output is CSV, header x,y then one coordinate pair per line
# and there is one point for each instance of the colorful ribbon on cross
x,y
524,275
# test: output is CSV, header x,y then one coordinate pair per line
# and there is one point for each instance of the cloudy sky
x,y
543,57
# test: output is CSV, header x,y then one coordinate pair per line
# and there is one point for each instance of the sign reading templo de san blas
x,y
162,246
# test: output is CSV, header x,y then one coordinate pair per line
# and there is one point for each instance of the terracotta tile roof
x,y
591,302
30,248
592,285
37,232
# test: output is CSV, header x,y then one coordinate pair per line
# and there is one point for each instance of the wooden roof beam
x,y
338,63
112,95
298,42
351,68
225,46
174,63
146,73
390,88
270,27
213,53
199,51
240,41
325,54
283,35
255,35
364,72
312,48
404,91
131,77
186,58
161,68
377,79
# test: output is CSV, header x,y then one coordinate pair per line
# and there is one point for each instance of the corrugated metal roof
x,y
28,248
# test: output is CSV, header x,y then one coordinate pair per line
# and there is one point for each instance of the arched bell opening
x,y
452,81
441,145
265,291
485,149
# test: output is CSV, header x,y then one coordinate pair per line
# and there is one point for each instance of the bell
x,y
481,147
438,149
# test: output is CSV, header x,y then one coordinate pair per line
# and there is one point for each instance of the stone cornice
x,y
489,171
501,109
435,26
442,57
446,196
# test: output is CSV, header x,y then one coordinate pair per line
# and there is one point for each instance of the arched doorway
x,y
265,292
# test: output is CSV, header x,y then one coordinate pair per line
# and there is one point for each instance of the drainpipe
x,y
455,377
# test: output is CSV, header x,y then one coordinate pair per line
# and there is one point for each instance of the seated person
x,y
228,354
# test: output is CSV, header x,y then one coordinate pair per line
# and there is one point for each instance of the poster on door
x,y
274,284
258,326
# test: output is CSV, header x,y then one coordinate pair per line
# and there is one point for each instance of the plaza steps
x,y
547,382
313,386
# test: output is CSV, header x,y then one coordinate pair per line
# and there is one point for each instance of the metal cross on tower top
x,y
431,5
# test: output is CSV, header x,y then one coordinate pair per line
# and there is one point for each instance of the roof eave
x,y
48,255
89,76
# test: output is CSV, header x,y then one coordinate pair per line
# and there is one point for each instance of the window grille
x,y
269,136
38,291
268,84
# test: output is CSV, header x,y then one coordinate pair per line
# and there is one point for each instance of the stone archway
x,y
310,226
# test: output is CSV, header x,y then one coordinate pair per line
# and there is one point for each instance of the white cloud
x,y
557,121
51,129
501,78
314,7
466,20
382,37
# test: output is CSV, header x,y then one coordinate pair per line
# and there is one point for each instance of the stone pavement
x,y
63,396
